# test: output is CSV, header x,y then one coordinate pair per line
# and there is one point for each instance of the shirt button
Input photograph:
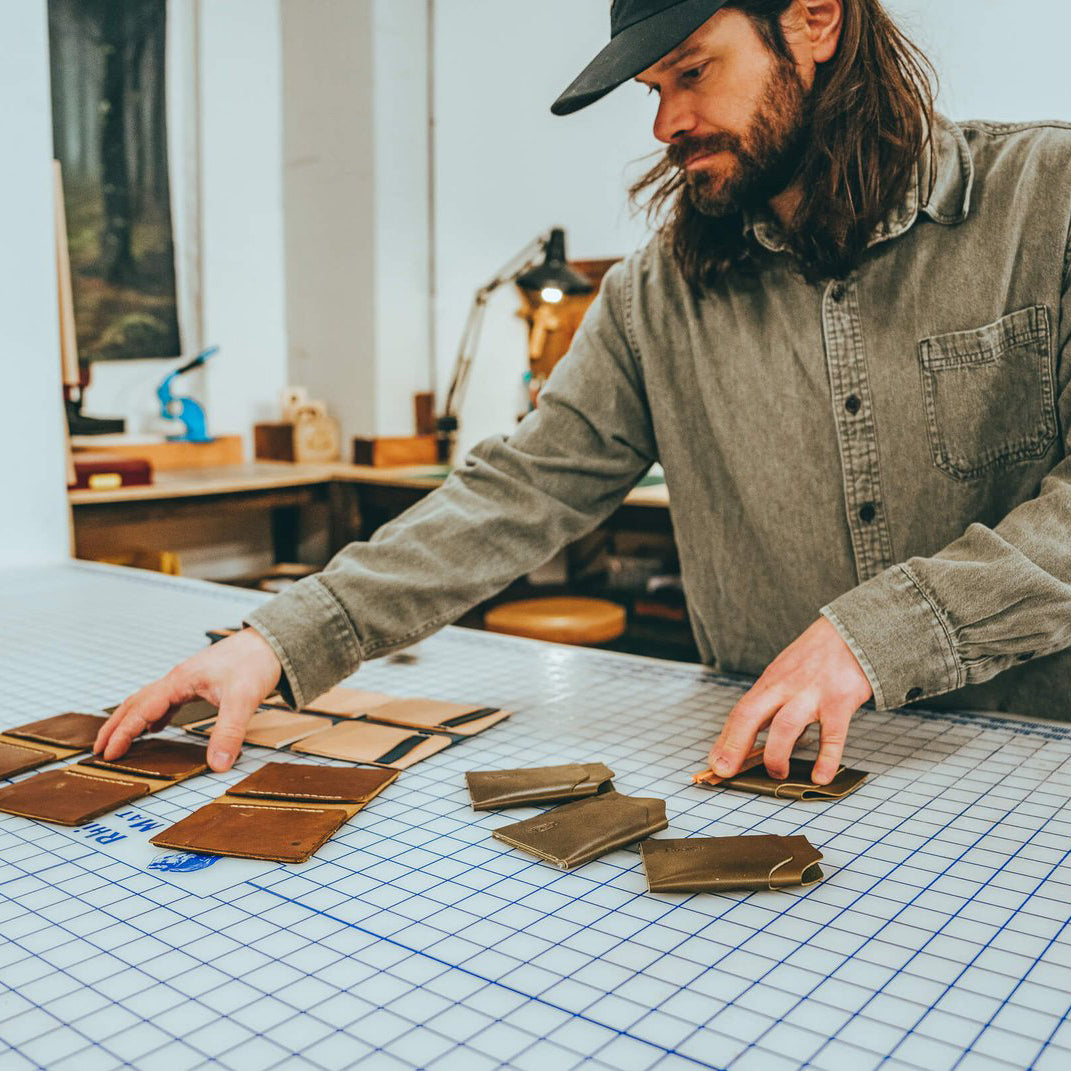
x,y
837,293
913,695
852,403
867,512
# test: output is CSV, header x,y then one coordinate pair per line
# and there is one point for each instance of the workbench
x,y
938,939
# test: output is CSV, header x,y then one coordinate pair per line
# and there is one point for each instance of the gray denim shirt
x,y
888,450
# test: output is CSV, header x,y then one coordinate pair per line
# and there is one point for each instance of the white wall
x,y
239,82
34,515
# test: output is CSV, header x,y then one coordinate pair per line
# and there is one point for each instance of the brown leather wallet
x,y
88,788
717,864
379,745
798,784
341,702
540,784
68,796
276,812
274,728
576,833
74,731
170,760
315,784
16,759
460,718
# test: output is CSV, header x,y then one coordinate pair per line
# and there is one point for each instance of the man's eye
x,y
693,73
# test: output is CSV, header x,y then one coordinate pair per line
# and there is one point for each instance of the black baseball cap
x,y
641,33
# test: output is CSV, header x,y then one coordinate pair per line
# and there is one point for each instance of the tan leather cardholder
x,y
542,784
342,702
75,731
798,784
68,797
718,864
576,833
381,745
284,812
170,760
460,718
276,728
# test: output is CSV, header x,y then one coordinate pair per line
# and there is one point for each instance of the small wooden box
x,y
307,440
403,450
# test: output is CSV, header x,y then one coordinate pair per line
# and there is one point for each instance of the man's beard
x,y
765,159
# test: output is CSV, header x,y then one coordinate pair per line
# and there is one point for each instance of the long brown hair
x,y
870,117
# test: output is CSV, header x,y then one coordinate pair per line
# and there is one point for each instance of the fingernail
x,y
722,767
220,758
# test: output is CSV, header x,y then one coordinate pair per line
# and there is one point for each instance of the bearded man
x,y
848,345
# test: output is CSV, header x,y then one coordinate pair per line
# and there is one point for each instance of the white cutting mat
x,y
939,938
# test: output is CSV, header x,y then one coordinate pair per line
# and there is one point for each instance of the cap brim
x,y
634,50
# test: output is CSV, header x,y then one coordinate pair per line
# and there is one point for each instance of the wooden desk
x,y
360,498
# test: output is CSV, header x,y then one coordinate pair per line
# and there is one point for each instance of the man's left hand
x,y
816,678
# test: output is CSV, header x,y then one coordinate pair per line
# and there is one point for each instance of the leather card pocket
x,y
285,834
274,728
542,784
66,797
314,784
72,730
576,833
460,718
170,760
719,864
798,785
16,760
382,745
342,702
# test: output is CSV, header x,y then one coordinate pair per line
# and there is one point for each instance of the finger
x,y
229,730
834,729
745,721
788,725
105,731
145,710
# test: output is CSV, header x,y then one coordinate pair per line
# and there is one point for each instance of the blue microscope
x,y
185,410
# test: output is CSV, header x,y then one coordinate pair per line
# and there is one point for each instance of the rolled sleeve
x,y
312,636
899,637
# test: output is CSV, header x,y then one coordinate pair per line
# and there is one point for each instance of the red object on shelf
x,y
99,472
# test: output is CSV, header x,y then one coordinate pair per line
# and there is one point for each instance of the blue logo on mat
x,y
182,862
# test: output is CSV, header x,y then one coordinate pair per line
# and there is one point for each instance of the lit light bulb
x,y
551,295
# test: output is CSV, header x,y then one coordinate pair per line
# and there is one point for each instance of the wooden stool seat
x,y
559,619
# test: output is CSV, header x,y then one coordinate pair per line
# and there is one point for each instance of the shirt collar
x,y
948,202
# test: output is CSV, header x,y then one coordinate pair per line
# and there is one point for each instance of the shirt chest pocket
x,y
989,394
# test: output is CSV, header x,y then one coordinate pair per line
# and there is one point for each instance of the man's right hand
x,y
235,675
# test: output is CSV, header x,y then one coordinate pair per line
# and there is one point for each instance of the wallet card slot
x,y
464,719
399,751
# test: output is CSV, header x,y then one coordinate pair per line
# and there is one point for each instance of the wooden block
x,y
164,455
404,450
103,472
309,440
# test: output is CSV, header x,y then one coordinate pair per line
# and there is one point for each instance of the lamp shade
x,y
555,272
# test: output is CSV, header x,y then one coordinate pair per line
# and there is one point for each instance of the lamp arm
x,y
527,258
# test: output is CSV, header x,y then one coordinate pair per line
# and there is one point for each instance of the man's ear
x,y
824,20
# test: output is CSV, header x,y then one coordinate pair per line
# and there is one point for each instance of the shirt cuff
x,y
312,637
899,637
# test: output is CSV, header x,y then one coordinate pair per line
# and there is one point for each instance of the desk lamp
x,y
552,278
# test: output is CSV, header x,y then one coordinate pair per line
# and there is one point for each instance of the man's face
x,y
733,114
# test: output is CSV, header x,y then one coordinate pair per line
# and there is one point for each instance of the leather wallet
x,y
74,731
341,702
67,796
380,745
16,759
273,728
576,833
463,719
798,784
88,788
542,784
170,760
277,813
717,864
315,784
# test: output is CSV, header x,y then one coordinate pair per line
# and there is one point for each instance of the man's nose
x,y
673,120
